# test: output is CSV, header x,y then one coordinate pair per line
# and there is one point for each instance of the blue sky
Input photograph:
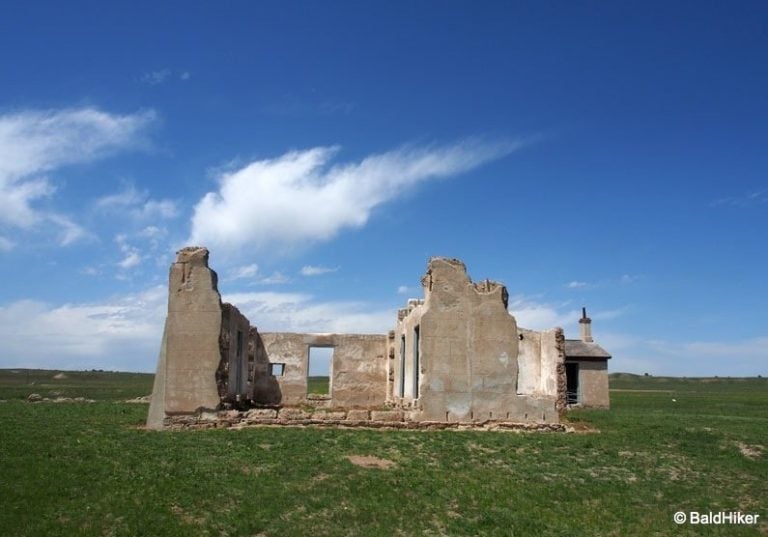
x,y
607,155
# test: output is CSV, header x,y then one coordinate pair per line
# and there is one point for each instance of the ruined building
x,y
456,356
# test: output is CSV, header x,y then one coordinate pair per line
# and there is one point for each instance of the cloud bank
x,y
302,197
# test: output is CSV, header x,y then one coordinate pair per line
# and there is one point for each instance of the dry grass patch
x,y
367,461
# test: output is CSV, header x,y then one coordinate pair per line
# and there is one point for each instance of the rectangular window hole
x,y
277,370
319,370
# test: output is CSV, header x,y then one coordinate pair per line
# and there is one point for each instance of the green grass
x,y
89,469
318,385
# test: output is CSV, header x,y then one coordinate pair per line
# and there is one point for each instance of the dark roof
x,y
576,348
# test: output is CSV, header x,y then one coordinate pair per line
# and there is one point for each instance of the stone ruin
x,y
455,359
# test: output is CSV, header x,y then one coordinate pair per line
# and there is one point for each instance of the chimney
x,y
585,323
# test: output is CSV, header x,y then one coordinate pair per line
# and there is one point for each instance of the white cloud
x,y
68,231
131,255
402,290
251,272
755,197
185,75
153,78
313,270
33,143
246,271
275,278
138,204
6,245
576,285
132,259
298,312
122,333
301,197
153,232
541,316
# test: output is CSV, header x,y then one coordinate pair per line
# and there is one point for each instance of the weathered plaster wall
x,y
358,371
468,349
538,359
529,362
189,354
593,383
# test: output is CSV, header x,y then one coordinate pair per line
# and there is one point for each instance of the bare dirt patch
x,y
60,376
751,452
367,461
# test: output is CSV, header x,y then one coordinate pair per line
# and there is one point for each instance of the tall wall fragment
x,y
456,354
198,360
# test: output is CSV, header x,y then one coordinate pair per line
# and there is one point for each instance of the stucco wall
x,y
358,371
593,383
189,354
468,348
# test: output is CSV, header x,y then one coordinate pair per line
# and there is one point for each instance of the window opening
x,y
319,370
416,363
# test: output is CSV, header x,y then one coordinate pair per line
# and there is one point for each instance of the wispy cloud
x,y
253,275
131,255
299,312
313,270
163,76
245,271
624,279
749,199
301,197
138,204
35,143
153,78
402,290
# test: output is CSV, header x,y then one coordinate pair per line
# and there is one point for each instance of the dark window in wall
x,y
416,358
319,370
401,384
277,370
572,383
239,363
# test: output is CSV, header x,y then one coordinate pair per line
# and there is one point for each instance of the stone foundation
x,y
353,418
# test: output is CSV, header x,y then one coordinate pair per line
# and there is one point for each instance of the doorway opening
x,y
572,383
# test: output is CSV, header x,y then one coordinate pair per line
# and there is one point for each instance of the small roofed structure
x,y
586,368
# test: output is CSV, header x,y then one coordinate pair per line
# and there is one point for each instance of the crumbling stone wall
x,y
457,356
467,346
560,373
358,372
203,362
189,353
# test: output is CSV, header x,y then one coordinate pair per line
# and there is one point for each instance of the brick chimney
x,y
585,324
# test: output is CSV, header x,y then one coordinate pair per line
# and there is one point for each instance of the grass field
x,y
317,385
666,445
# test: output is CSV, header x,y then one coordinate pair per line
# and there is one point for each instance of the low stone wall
x,y
375,419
